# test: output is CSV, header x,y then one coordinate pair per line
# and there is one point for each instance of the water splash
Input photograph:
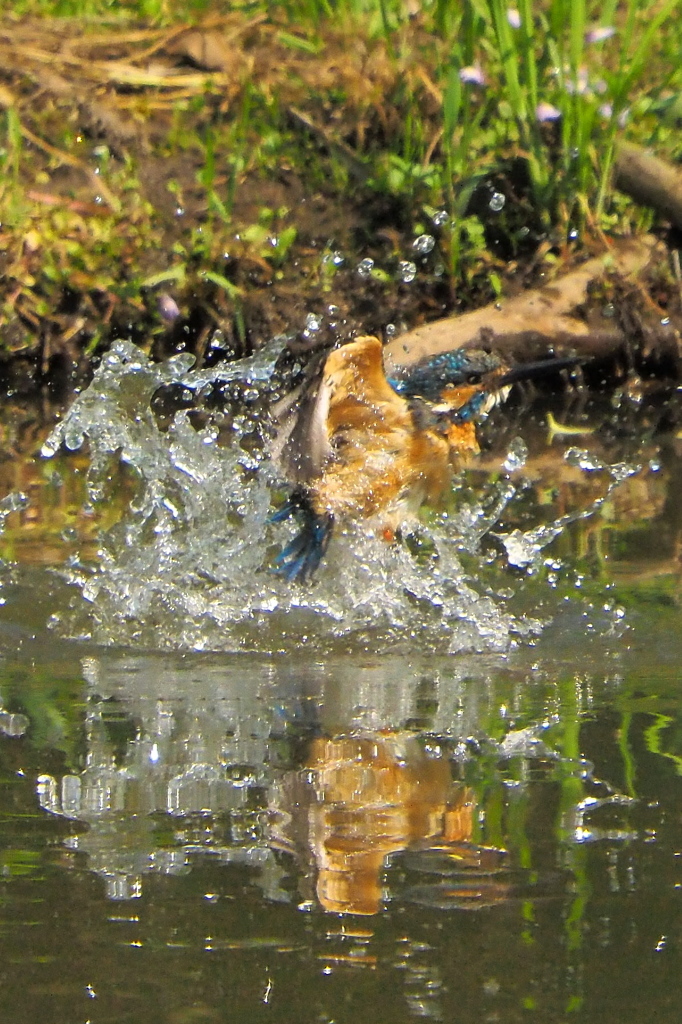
x,y
15,501
187,566
525,548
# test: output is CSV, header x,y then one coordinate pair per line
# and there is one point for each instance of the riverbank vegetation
x,y
194,175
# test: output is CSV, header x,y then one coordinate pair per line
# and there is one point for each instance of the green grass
x,y
110,10
516,161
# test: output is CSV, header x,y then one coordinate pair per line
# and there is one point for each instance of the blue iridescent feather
x,y
427,378
302,555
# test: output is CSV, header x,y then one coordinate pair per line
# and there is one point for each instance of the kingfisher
x,y
357,444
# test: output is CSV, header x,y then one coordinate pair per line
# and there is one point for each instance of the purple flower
x,y
581,84
599,33
513,17
546,112
167,307
473,75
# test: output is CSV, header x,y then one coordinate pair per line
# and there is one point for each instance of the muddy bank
x,y
203,188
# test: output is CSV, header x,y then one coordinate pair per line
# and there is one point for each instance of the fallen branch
x,y
545,320
649,180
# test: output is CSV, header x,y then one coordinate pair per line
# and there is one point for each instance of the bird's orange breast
x,y
379,455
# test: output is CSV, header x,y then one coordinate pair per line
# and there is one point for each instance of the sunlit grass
x,y
110,10
526,101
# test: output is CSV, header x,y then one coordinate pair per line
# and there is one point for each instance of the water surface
x,y
442,782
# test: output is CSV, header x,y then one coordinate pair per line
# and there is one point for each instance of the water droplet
x,y
407,271
365,267
516,456
16,501
313,322
497,201
423,244
390,330
73,439
440,218
50,448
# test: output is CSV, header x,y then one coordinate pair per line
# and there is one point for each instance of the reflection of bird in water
x,y
376,795
360,444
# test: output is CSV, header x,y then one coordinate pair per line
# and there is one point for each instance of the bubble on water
x,y
365,267
440,218
407,271
497,201
424,244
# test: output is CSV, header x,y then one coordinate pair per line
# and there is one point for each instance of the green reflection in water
x,y
215,896
310,839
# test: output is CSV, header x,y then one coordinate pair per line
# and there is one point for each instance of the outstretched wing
x,y
301,444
